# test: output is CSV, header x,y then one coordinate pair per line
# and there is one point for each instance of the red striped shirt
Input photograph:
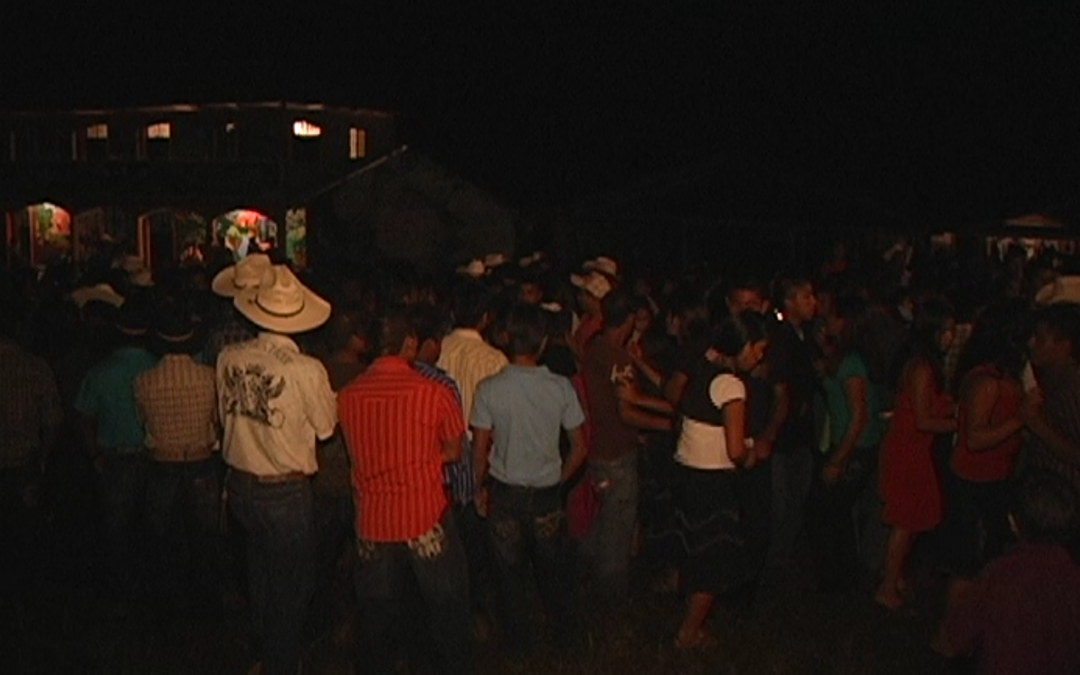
x,y
394,421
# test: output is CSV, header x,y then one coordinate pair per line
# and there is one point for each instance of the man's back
x,y
468,359
395,421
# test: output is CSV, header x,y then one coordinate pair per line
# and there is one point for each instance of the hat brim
x,y
82,296
314,313
224,283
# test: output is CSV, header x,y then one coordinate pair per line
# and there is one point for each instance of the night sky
x,y
940,111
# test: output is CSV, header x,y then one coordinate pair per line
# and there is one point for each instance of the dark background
x,y
944,112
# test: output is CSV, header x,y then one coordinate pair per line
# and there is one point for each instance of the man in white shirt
x,y
275,403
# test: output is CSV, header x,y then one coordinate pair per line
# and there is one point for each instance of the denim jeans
x,y
606,548
391,577
183,504
834,539
279,527
792,475
529,525
121,490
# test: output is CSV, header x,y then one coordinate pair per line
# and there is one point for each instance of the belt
x,y
175,455
290,477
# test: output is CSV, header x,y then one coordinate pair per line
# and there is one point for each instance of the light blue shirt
x,y
526,407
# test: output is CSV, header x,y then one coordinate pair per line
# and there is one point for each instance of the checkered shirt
x,y
30,410
459,476
177,401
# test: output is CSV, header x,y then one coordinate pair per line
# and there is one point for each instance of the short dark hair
x,y
617,307
785,288
472,300
1063,320
1046,507
526,326
391,331
429,322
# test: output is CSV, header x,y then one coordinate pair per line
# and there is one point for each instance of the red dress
x,y
910,482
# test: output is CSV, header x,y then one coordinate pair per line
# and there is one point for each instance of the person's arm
x,y
451,450
482,440
630,393
641,419
676,385
734,412
763,443
576,458
855,392
979,397
922,391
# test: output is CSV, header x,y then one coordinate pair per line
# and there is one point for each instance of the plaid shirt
x,y
459,476
177,401
30,411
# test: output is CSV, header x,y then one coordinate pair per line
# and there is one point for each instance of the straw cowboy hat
x,y
602,264
99,293
282,304
1062,289
594,283
475,269
245,274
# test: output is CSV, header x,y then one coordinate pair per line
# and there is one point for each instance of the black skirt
x,y
711,530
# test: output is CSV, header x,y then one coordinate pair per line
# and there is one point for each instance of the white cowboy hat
x,y
475,269
594,283
100,293
602,264
492,260
282,304
532,259
245,274
1062,289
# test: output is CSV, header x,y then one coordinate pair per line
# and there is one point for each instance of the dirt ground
x,y
58,624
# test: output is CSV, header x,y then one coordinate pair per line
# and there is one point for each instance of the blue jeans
x,y
792,475
529,525
121,490
606,548
183,506
278,521
389,578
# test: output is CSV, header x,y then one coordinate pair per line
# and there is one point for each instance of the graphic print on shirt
x,y
250,391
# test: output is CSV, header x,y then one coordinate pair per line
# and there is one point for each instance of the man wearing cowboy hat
x,y
114,436
177,401
230,327
275,403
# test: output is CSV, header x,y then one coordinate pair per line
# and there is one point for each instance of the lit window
x,y
306,129
97,132
159,131
357,143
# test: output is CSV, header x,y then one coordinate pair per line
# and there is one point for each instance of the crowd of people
x,y
454,447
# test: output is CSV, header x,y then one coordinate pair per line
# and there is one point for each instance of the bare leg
x,y
896,552
691,632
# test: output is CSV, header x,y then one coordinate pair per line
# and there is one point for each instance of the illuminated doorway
x,y
171,237
40,234
244,232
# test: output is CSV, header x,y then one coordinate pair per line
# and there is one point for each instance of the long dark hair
x,y
997,339
924,341
856,337
733,333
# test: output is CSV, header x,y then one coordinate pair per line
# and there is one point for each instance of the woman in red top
x,y
988,442
910,484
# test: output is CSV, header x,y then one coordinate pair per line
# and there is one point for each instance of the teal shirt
x,y
840,410
107,394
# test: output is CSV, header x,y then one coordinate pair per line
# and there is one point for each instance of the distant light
x,y
159,131
230,127
98,132
306,129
